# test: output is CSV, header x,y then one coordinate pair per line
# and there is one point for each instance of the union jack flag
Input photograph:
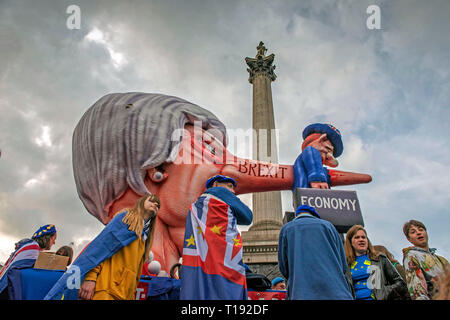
x,y
212,253
23,257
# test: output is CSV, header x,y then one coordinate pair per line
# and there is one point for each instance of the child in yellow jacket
x,y
117,277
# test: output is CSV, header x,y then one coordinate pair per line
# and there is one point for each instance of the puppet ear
x,y
157,175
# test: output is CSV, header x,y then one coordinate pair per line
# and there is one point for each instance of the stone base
x,y
260,246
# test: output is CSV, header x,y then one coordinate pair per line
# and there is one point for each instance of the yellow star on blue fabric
x,y
190,241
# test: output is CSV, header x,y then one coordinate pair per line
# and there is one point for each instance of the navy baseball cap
x,y
219,178
308,209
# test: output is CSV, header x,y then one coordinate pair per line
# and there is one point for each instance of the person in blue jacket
x,y
311,257
212,254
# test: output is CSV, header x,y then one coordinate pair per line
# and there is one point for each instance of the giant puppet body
x,y
130,144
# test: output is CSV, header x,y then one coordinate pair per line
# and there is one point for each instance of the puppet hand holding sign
x,y
321,146
130,144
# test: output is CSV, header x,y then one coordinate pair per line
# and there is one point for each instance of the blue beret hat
x,y
333,134
219,178
277,280
306,208
42,231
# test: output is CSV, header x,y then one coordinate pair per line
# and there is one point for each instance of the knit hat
x,y
333,134
219,178
44,230
308,209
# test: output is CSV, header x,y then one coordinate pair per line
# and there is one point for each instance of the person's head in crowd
x,y
416,233
221,181
19,243
67,252
384,250
443,284
357,243
306,209
45,236
398,266
278,284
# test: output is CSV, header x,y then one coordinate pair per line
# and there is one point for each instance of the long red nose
x,y
258,176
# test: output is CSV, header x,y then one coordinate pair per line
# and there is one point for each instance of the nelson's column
x,y
261,240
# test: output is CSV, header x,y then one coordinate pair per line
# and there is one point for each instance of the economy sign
x,y
340,207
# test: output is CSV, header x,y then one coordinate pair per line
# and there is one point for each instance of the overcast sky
x,y
386,90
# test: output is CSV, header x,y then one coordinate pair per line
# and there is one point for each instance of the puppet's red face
x,y
325,147
200,157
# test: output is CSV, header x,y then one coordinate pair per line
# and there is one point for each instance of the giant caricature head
x,y
121,137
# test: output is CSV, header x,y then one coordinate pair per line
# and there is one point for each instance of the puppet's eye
x,y
211,148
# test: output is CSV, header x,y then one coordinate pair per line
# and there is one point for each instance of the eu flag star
x,y
190,241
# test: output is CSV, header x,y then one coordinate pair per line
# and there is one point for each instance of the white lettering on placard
x,y
329,203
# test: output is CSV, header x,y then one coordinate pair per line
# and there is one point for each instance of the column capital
x,y
261,64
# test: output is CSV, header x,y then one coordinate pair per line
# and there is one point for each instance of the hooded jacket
x,y
421,267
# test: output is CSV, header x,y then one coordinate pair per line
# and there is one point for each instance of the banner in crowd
x,y
266,295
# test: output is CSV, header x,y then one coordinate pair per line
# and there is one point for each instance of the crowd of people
x,y
314,261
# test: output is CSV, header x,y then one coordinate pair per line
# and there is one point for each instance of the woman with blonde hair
x,y
373,275
110,266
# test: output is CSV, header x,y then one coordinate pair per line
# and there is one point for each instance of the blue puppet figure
x,y
322,145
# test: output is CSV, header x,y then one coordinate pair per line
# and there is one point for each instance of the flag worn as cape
x,y
24,257
114,237
212,254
